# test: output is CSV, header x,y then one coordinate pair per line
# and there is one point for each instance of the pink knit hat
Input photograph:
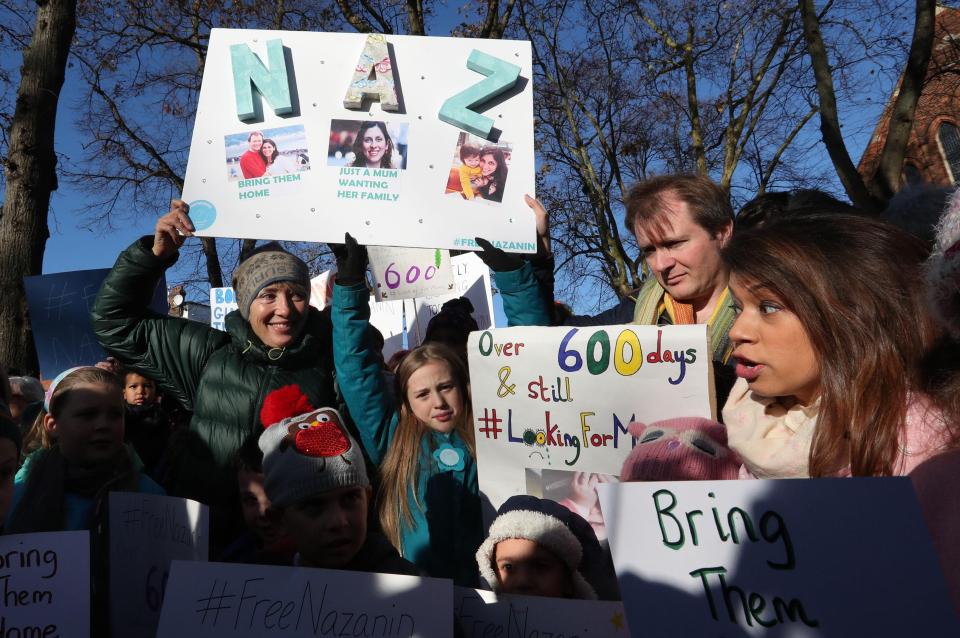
x,y
683,449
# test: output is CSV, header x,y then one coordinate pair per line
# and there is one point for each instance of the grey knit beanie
x,y
267,265
308,454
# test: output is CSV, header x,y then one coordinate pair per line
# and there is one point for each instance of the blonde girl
x,y
429,502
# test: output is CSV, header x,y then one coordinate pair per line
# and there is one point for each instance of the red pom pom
x,y
283,403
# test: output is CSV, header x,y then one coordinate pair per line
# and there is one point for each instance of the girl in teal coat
x,y
429,502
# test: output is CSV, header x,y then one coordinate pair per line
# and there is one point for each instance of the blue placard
x,y
59,306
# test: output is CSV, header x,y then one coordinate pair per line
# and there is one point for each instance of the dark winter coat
x,y
221,377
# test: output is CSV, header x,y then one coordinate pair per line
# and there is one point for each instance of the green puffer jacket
x,y
222,377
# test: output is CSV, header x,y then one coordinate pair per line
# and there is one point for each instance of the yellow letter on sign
x,y
373,77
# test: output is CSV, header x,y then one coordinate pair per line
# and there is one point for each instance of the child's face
x,y
139,390
472,161
254,504
434,396
330,528
89,424
524,567
8,469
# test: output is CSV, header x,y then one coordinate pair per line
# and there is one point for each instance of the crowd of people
x,y
834,342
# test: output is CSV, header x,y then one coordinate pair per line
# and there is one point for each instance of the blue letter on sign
x,y
271,83
457,110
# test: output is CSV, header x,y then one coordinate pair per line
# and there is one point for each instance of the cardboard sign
x,y
405,273
482,614
220,600
471,280
305,136
46,584
59,306
552,405
825,557
147,532
223,301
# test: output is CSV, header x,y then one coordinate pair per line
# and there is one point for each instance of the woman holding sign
x,y
274,340
831,328
373,147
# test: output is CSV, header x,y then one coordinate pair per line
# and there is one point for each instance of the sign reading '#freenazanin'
x,y
827,557
220,600
551,406
396,139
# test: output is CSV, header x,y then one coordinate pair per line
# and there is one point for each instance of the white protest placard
x,y
471,280
405,273
550,404
147,532
799,558
220,600
484,614
223,301
46,585
284,147
321,289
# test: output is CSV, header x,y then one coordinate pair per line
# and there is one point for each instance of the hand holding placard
x,y
351,261
172,230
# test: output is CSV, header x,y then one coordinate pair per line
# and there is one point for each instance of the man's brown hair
x,y
709,204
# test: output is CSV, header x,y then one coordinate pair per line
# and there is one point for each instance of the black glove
x,y
351,261
496,259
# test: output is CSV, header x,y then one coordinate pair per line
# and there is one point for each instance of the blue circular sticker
x,y
202,214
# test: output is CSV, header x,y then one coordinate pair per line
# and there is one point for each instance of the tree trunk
x,y
214,272
852,182
31,175
886,179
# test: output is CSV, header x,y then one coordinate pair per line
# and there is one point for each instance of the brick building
x,y
933,151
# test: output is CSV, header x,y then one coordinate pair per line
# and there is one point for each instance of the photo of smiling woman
x,y
830,335
373,147
373,144
493,174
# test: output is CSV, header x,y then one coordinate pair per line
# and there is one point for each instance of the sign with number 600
x,y
405,273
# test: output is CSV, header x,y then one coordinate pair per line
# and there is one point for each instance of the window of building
x,y
950,143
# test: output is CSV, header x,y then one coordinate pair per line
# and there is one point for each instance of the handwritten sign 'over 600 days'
x,y
548,399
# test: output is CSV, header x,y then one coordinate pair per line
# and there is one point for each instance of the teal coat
x,y
222,377
77,508
447,529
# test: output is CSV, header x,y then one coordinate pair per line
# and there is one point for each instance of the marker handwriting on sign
x,y
247,607
627,354
392,278
679,531
586,434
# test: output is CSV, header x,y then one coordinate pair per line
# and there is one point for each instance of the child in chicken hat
x,y
315,478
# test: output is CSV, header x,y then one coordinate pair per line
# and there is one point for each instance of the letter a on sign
x,y
272,83
458,110
373,77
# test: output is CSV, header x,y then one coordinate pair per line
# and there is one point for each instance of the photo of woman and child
x,y
258,153
479,169
371,144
